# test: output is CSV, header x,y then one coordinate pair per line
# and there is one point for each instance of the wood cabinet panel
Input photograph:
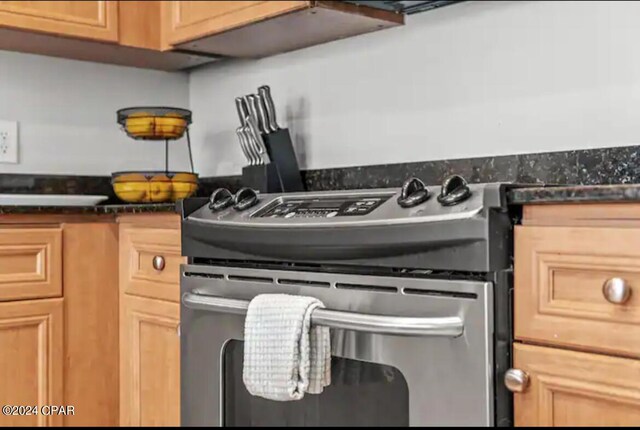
x,y
30,263
150,362
91,323
139,24
85,19
189,20
568,388
559,277
138,248
31,359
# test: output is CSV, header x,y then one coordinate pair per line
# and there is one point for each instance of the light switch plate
x,y
8,142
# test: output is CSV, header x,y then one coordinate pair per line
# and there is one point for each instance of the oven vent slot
x,y
246,278
304,282
436,293
376,288
203,275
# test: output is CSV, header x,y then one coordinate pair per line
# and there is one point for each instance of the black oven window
x,y
360,394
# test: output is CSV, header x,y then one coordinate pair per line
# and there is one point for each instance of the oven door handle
x,y
380,324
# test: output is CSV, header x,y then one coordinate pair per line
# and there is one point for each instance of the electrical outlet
x,y
8,142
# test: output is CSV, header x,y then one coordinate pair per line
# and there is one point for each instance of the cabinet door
x,y
568,388
31,348
149,362
85,19
190,20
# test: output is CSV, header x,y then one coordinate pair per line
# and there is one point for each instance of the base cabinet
x,y
150,362
31,361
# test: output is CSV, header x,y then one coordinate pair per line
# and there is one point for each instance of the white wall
x,y
472,79
67,114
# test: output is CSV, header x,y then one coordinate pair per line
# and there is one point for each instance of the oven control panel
x,y
321,207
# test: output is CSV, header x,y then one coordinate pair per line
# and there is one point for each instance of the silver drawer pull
x,y
616,291
158,263
516,380
381,324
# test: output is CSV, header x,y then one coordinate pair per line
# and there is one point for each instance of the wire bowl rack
x,y
159,123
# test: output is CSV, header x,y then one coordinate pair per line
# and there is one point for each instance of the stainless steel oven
x,y
421,343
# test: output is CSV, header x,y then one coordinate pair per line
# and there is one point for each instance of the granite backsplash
x,y
583,167
618,165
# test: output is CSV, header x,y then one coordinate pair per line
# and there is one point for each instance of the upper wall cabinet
x,y
262,28
173,35
190,20
97,20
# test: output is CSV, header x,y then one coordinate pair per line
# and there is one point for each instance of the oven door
x,y
406,351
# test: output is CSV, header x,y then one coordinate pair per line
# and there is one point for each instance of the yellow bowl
x,y
166,127
154,187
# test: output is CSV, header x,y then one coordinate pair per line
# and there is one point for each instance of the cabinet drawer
x,y
30,263
560,273
139,247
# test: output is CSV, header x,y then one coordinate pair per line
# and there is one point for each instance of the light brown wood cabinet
x,y
61,351
150,366
31,360
97,20
149,321
108,343
576,315
191,20
254,29
569,388
174,35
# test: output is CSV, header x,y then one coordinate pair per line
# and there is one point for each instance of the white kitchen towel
x,y
284,357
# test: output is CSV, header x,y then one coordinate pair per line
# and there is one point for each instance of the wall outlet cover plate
x,y
8,142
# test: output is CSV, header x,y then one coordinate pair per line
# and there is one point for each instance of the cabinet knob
x,y
516,380
616,291
158,262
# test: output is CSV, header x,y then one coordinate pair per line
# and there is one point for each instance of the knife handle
x,y
265,93
243,111
255,108
262,114
243,145
248,141
257,139
253,113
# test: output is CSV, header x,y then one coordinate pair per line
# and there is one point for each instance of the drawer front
x,y
150,262
560,277
30,263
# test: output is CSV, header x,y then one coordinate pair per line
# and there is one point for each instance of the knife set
x,y
272,165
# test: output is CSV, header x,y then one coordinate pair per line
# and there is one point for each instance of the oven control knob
x,y
245,198
454,190
220,199
413,193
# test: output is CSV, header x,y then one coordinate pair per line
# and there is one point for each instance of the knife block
x,y
283,156
262,177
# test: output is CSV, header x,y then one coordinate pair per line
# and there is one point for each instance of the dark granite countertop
x,y
575,194
109,209
516,196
